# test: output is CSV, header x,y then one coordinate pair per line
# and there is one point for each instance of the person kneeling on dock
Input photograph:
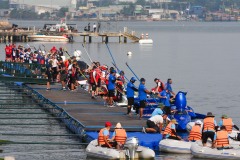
x,y
170,131
103,136
222,139
155,123
119,136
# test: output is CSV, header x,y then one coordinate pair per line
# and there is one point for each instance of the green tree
x,y
128,10
4,4
62,12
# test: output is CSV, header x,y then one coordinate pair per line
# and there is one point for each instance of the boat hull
x,y
175,146
45,38
199,151
93,150
146,41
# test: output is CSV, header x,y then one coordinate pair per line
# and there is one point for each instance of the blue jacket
x,y
165,101
130,89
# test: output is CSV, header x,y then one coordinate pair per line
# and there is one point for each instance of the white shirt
x,y
156,119
54,64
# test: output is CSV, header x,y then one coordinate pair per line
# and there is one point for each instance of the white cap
x,y
198,122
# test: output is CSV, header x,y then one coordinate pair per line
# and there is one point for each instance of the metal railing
x,y
22,69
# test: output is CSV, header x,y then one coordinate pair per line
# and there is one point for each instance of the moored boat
x,y
175,146
145,41
45,38
199,151
131,151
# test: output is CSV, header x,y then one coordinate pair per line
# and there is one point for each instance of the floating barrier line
x,y
48,143
22,134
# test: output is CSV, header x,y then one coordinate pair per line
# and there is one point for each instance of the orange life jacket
x,y
195,133
208,124
120,136
101,137
227,122
222,139
168,130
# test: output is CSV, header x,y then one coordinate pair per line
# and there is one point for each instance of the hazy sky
x,y
46,2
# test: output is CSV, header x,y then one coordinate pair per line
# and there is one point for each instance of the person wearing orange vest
x,y
209,127
170,131
103,136
196,132
222,139
228,123
119,136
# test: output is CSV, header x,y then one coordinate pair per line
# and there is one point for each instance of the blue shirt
x,y
165,101
105,132
157,111
141,92
111,84
168,87
130,91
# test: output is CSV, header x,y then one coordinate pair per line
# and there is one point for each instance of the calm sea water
x,y
201,58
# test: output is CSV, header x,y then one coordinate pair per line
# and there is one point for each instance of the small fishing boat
x,y
175,146
145,41
46,38
131,151
199,151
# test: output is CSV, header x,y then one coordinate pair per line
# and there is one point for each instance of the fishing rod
x,y
87,53
139,81
114,63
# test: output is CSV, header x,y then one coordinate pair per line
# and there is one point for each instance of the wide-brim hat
x,y
118,125
209,114
224,116
174,121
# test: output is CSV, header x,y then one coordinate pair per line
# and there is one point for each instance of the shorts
x,y
151,124
130,101
63,77
142,104
72,79
111,93
49,77
94,87
206,135
99,83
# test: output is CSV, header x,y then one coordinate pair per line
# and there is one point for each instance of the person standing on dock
x,y
88,27
168,86
142,94
130,94
111,87
94,27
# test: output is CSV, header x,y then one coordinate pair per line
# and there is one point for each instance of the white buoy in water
x,y
9,158
129,53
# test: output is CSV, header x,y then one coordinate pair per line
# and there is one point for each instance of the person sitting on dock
x,y
228,123
170,131
222,139
155,124
119,136
196,132
103,136
130,94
